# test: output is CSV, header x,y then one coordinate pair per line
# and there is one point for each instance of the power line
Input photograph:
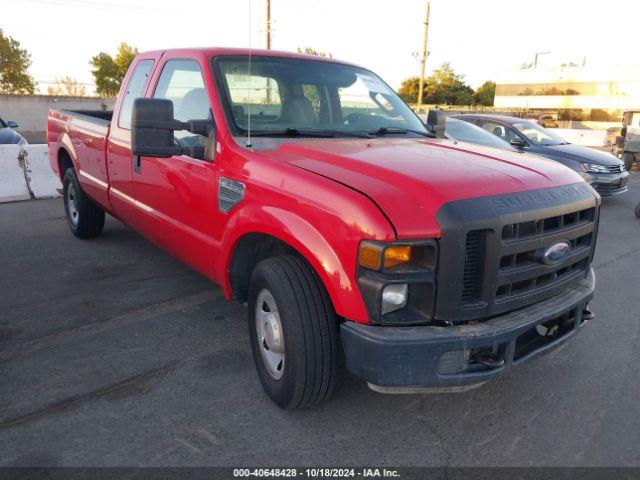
x,y
60,81
89,4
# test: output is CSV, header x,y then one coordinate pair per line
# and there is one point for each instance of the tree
x,y
444,86
109,71
313,51
67,86
485,94
409,90
14,63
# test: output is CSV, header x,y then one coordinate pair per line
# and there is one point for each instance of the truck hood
x,y
410,179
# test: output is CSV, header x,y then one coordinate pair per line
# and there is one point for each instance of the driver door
x,y
177,196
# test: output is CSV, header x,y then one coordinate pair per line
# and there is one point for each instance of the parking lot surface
x,y
113,353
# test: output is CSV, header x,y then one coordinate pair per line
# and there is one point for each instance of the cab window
x,y
181,82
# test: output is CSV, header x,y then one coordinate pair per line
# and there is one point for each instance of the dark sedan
x,y
8,135
467,132
602,170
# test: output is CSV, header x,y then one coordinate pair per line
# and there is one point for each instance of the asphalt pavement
x,y
113,353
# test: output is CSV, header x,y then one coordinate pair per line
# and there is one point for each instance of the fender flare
x,y
315,249
66,144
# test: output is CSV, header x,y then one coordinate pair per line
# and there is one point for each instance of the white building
x,y
609,90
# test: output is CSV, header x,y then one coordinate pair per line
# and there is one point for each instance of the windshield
x,y
285,95
2,124
537,134
467,132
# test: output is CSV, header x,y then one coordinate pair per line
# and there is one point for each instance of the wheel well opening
x,y
250,250
64,162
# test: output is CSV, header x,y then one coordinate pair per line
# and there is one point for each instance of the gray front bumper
x,y
608,183
411,357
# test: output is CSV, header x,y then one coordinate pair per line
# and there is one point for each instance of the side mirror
x,y
517,143
12,124
436,121
152,127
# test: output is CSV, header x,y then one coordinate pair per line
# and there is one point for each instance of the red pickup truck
x,y
305,187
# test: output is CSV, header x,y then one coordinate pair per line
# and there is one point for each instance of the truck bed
x,y
101,117
83,135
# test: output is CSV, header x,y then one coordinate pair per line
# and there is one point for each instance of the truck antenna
x,y
248,144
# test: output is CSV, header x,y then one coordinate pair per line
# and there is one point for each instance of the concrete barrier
x,y
13,185
42,182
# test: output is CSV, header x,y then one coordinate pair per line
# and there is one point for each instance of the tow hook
x,y
487,359
587,314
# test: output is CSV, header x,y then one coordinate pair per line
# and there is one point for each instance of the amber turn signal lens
x,y
369,255
394,256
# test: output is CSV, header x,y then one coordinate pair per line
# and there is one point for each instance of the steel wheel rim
x,y
72,204
270,335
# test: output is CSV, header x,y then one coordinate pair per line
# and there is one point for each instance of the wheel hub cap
x,y
270,337
72,204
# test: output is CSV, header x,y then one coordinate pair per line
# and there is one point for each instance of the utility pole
x,y
268,24
423,59
268,30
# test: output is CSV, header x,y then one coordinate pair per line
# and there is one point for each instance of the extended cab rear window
x,y
135,89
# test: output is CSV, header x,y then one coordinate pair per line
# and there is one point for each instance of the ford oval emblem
x,y
556,253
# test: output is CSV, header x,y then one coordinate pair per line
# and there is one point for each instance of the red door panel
x,y
177,197
119,158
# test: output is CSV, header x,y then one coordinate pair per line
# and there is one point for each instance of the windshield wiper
x,y
303,132
294,132
391,130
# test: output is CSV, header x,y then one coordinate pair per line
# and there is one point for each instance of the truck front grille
x,y
492,250
521,270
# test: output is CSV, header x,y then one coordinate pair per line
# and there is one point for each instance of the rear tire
x,y
293,332
638,210
85,218
628,160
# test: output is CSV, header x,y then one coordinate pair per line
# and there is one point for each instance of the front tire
x,y
85,218
293,332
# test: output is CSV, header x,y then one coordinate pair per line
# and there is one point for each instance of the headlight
x,y
397,280
394,297
593,168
